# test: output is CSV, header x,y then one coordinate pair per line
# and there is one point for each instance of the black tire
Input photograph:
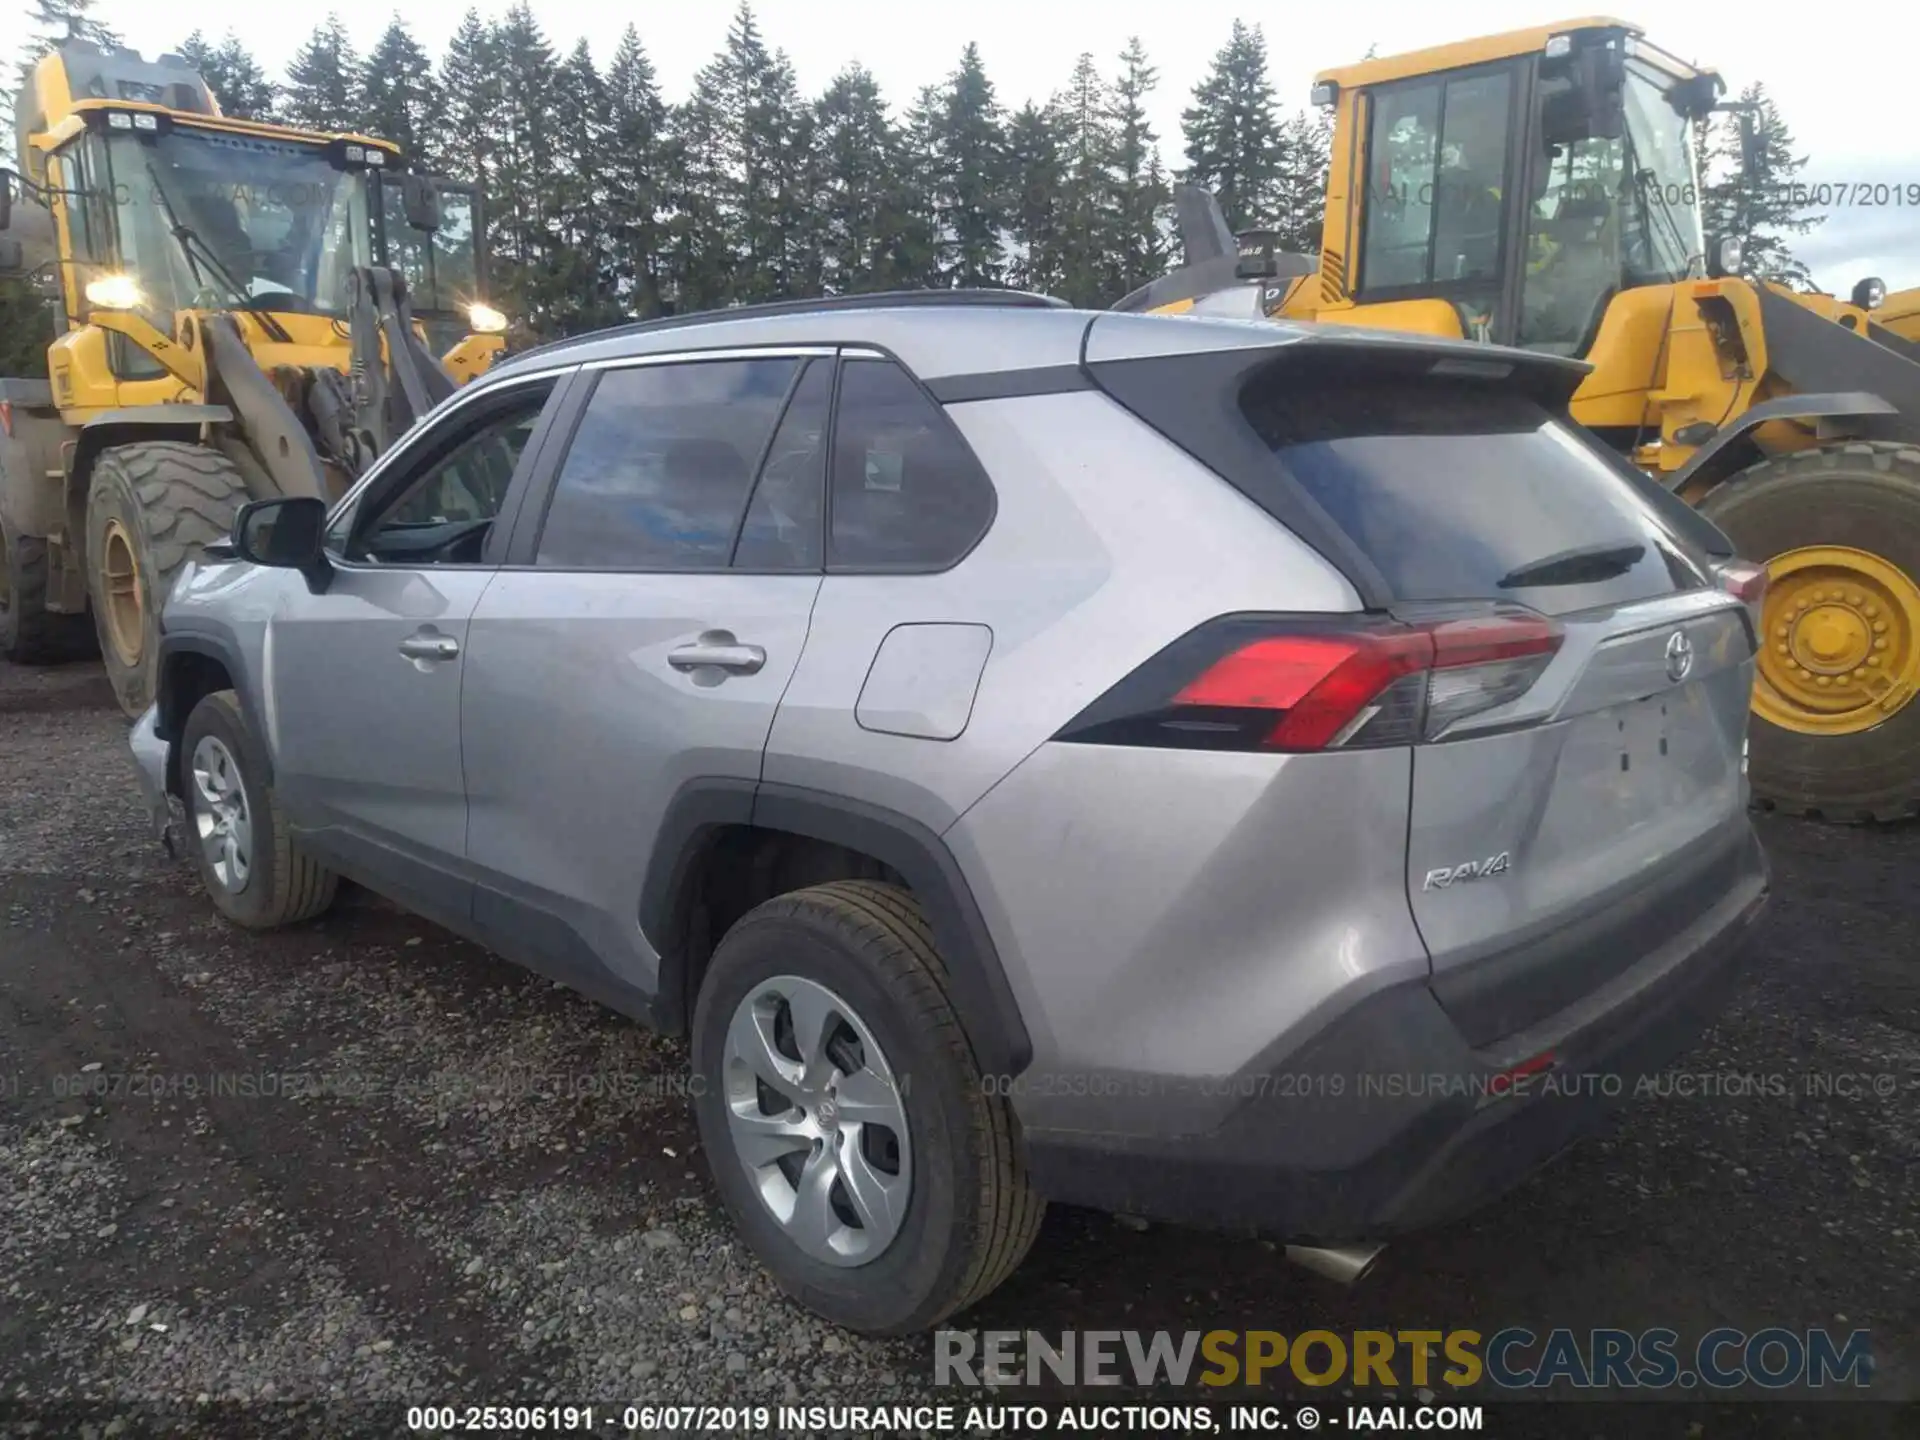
x,y
971,1215
282,885
31,634
1866,496
170,499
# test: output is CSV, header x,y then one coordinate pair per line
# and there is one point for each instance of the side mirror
x,y
420,198
6,198
285,534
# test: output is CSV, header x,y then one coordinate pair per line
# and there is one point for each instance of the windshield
x,y
1607,214
272,214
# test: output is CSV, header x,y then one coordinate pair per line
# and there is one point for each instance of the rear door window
x,y
1458,490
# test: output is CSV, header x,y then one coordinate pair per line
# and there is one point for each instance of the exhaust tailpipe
x,y
1344,1264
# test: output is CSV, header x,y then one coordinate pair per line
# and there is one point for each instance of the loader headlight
x,y
1870,292
1725,255
485,319
114,292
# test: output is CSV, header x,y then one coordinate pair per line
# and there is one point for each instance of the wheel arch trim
x,y
170,719
704,806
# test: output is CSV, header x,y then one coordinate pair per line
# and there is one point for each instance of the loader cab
x,y
1527,188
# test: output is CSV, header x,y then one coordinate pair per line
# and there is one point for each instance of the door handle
x,y
430,647
719,654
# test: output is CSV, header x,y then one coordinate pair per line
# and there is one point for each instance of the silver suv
x,y
1226,772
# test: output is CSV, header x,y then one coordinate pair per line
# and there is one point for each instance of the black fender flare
x,y
141,422
701,807
170,708
1731,449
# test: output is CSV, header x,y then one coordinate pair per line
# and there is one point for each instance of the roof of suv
x,y
943,334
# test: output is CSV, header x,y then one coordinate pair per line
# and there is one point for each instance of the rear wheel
x,y
1836,727
150,507
31,634
850,1134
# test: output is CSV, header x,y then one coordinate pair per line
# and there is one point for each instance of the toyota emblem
x,y
1679,656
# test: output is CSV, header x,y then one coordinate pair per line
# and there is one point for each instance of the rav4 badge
x,y
1473,870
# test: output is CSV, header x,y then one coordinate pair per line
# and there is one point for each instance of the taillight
x,y
1743,579
1748,583
1268,683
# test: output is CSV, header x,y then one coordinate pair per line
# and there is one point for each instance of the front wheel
x,y
251,869
1836,722
845,1119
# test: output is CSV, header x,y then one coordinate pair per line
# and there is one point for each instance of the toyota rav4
x,y
1216,771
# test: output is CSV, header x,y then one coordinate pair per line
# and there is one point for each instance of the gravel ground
x,y
425,1176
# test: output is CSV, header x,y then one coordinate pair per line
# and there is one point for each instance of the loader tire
x,y
31,634
151,507
1836,724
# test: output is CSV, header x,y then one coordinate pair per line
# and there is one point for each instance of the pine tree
x,y
399,97
1086,198
53,22
917,248
56,21
581,285
700,196
1234,141
862,209
970,176
468,86
323,82
1300,187
524,126
1037,168
1758,204
633,174
1141,199
239,85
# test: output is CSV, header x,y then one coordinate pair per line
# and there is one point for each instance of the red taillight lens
x,y
1739,578
1249,683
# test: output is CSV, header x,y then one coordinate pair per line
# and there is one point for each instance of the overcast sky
x,y
1852,129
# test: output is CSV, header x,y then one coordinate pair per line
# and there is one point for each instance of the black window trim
x,y
523,548
1431,289
400,467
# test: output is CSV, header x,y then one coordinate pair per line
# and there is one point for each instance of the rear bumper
x,y
1388,1121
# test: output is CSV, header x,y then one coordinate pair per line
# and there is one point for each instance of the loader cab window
x,y
1606,214
1437,188
442,267
439,508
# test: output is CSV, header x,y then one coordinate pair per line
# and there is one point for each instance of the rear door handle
x,y
721,654
430,647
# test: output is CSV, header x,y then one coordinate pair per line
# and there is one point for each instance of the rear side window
x,y
907,492
658,474
1457,490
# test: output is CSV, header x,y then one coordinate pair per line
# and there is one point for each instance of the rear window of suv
x,y
1458,489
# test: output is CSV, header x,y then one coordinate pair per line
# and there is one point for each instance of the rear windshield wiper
x,y
1580,566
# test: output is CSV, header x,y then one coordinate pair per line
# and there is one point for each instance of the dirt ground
x,y
363,1162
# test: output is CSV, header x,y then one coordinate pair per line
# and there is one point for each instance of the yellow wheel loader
x,y
1538,189
242,311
